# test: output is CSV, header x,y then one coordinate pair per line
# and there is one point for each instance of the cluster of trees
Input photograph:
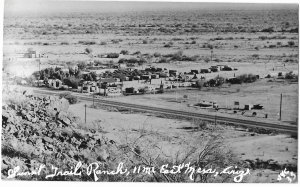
x,y
72,99
247,78
121,74
219,81
291,75
216,82
179,56
55,73
72,82
71,78
139,61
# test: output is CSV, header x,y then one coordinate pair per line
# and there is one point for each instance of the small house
x,y
205,71
55,83
145,77
195,71
154,76
248,107
215,68
173,72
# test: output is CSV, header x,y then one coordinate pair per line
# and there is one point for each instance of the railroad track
x,y
291,129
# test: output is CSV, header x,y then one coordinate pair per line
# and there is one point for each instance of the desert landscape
x,y
232,62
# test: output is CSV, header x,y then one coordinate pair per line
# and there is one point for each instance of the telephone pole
x,y
215,118
39,61
93,100
280,106
85,113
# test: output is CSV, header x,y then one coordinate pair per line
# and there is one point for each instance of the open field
x,y
173,136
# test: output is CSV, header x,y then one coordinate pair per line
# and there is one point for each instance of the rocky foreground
x,y
39,130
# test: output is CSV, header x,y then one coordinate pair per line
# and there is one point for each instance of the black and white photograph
x,y
149,91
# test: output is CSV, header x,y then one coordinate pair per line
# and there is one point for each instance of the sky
x,y
19,7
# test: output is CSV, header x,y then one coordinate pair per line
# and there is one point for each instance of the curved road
x,y
292,129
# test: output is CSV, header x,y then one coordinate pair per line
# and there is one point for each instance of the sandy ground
x,y
171,137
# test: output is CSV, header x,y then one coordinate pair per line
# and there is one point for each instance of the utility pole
x,y
211,55
280,106
93,100
39,61
100,87
85,113
215,118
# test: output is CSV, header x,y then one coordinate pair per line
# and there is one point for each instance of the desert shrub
x,y
200,84
177,56
291,43
133,61
176,39
124,52
247,78
71,98
97,62
193,42
142,90
145,41
206,59
156,54
169,44
113,55
270,29
290,75
87,42
255,56
142,61
272,46
219,38
122,61
163,60
137,53
210,46
88,50
64,43
194,58
256,48
115,41
103,43
263,37
200,124
81,65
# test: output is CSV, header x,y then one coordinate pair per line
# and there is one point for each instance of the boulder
x,y
57,104
62,116
47,139
102,153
